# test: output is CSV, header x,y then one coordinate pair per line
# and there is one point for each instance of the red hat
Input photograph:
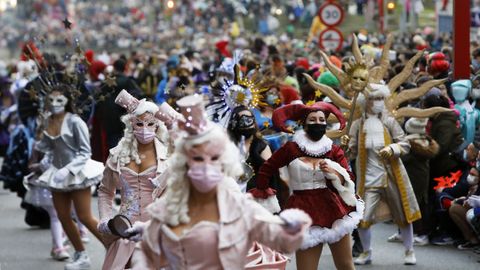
x,y
300,112
302,62
95,69
222,48
289,94
89,55
438,64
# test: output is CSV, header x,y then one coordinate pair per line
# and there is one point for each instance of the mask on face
x,y
272,100
247,133
475,93
57,109
378,106
316,131
144,135
472,180
459,94
57,103
243,122
204,177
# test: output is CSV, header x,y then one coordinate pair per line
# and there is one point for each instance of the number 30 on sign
x,y
331,14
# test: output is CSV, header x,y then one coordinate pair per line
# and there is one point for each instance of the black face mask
x,y
247,133
316,131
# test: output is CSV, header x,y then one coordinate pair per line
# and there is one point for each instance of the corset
x,y
304,177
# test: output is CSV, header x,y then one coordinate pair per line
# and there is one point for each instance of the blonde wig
x,y
178,186
127,148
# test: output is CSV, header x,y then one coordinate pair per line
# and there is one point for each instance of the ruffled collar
x,y
312,148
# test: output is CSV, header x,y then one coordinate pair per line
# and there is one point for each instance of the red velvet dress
x,y
334,213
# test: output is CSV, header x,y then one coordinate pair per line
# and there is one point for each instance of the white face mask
x,y
378,106
475,94
57,109
57,103
472,180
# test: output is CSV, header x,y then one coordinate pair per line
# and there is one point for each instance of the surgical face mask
x,y
475,94
144,135
145,129
273,100
378,106
57,103
204,176
316,131
247,133
204,164
472,180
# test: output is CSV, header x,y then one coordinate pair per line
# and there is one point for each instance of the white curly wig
x,y
178,186
378,90
127,148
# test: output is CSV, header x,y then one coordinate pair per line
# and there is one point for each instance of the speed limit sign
x,y
331,14
331,39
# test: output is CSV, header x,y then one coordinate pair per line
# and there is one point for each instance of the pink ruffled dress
x,y
136,190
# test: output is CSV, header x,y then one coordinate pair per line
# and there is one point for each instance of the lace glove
x,y
136,231
103,227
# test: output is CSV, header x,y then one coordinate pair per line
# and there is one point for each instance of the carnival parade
x,y
239,134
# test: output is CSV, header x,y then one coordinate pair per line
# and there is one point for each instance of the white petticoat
x,y
39,196
90,175
316,235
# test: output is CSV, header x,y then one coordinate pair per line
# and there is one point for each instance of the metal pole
x,y
461,39
403,17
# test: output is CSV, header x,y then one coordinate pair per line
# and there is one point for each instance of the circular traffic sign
x,y
331,39
331,14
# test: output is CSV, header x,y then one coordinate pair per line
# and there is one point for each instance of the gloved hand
x,y
103,227
295,220
154,181
344,140
136,231
386,153
60,175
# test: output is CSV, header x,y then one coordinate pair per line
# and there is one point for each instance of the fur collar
x,y
312,148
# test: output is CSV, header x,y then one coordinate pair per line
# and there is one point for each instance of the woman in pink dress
x,y
132,168
201,222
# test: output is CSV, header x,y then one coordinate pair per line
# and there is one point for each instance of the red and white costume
x,y
332,205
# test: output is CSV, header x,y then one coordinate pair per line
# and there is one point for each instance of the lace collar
x,y
312,148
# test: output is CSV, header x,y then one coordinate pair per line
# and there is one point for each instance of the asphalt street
x,y
26,248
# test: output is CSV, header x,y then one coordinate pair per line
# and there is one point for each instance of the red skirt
x,y
323,205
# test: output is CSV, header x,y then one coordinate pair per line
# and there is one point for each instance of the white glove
x,y
103,227
295,220
60,175
136,231
154,181
474,201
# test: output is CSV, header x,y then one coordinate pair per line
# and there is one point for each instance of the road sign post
x,y
331,15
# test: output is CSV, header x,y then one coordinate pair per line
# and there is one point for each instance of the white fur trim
x,y
347,190
316,235
270,203
294,215
313,148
